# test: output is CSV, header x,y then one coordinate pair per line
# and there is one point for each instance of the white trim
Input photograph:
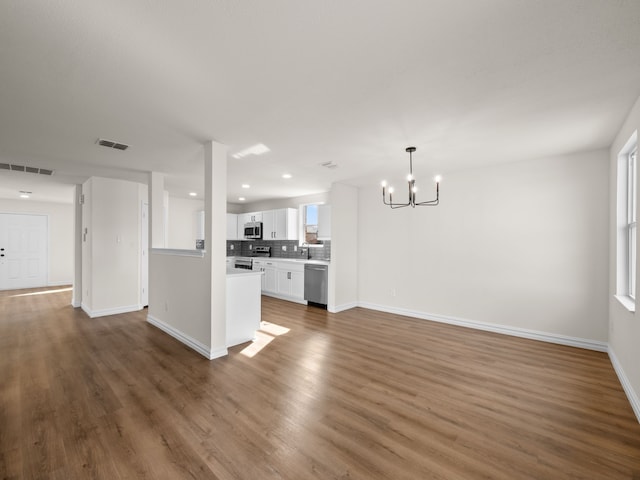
x,y
75,304
491,327
626,384
190,342
627,302
108,311
177,252
343,307
60,284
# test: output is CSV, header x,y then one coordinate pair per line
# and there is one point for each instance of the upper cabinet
x,y
281,224
232,226
324,222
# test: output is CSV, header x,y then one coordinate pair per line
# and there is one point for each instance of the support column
x,y
157,227
215,221
77,248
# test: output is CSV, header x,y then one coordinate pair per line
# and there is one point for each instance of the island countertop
x,y
242,272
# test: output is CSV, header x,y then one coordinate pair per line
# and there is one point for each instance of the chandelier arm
x,y
394,205
430,203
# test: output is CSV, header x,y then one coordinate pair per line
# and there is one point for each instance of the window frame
x,y
626,214
303,226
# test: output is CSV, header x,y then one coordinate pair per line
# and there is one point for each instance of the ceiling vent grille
x,y
329,165
22,168
111,144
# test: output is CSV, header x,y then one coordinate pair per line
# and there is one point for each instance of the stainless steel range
x,y
246,263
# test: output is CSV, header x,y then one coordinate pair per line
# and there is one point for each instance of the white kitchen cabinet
x,y
200,225
324,222
252,217
270,279
269,282
280,224
232,226
269,225
291,280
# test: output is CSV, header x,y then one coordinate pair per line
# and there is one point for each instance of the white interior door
x,y
23,251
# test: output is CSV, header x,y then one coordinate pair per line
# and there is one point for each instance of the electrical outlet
x,y
284,248
231,247
250,246
295,248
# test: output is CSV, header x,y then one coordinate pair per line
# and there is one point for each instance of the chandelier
x,y
412,189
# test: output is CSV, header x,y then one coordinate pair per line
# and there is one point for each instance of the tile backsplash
x,y
243,248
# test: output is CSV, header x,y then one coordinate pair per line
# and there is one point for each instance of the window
x,y
310,225
626,221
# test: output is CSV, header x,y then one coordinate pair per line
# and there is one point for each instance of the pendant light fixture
x,y
412,189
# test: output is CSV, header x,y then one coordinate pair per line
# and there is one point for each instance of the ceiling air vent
x,y
22,168
110,144
329,165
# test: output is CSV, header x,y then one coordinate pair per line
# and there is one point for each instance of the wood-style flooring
x,y
355,395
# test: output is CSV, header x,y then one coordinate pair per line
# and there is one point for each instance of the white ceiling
x,y
467,82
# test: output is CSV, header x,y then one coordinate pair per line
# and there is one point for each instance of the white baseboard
x,y
634,400
190,342
60,284
491,327
285,297
342,308
108,311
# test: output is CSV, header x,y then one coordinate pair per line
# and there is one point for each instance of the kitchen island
x,y
243,305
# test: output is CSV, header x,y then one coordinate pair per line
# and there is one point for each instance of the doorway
x,y
23,251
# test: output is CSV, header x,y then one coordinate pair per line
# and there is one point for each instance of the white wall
x,y
111,271
179,298
521,245
624,326
182,224
61,227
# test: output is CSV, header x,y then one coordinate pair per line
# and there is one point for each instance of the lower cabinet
x,y
269,278
282,279
291,280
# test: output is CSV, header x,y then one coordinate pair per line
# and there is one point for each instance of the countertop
x,y
290,260
241,272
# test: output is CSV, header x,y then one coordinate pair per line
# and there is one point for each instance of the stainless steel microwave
x,y
253,230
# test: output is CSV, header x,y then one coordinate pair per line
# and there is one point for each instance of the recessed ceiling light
x,y
286,175
242,199
25,194
193,194
246,185
257,149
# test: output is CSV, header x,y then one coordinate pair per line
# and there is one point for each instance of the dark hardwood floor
x,y
357,395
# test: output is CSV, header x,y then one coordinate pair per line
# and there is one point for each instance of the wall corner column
x,y
215,207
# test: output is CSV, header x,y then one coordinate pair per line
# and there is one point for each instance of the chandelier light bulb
x,y
383,183
438,178
390,190
409,177
414,189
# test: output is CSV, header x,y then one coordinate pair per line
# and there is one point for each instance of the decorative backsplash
x,y
241,249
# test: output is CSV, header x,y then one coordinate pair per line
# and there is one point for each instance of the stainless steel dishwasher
x,y
315,284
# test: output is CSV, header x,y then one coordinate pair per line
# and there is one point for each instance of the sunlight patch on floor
x,y
267,333
42,293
